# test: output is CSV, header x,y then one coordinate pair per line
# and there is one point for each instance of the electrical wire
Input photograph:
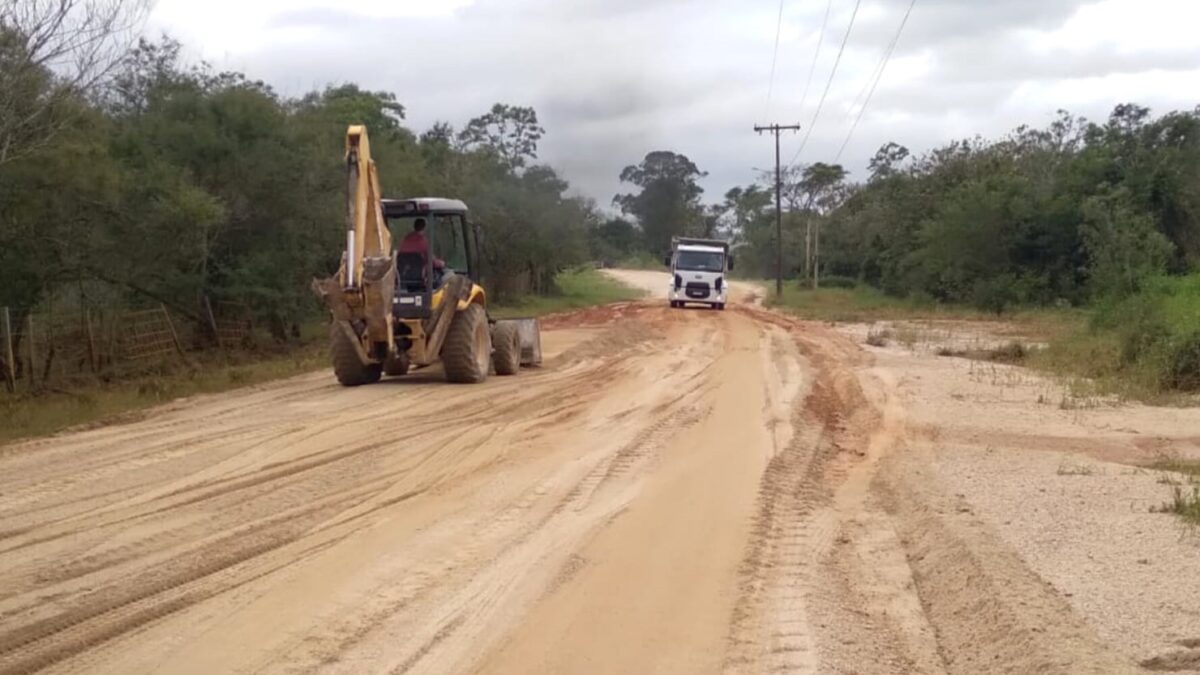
x,y
774,58
878,76
813,67
828,84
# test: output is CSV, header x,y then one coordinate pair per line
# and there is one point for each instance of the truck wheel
x,y
349,370
397,365
467,351
506,343
721,306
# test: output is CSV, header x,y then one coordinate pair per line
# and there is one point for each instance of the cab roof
x,y
394,208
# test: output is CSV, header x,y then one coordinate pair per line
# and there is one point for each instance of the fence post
x,y
32,365
91,339
171,326
10,367
114,324
212,322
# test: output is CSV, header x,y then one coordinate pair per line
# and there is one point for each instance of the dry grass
x,y
1068,468
98,402
1184,502
1183,478
879,337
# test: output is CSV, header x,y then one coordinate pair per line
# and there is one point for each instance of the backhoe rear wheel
x,y
347,367
467,351
506,343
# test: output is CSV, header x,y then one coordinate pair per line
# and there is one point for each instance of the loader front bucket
x,y
530,332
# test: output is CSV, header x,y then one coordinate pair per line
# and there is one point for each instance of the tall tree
x,y
53,52
669,201
510,132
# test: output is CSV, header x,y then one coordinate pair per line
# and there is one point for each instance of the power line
x,y
866,85
878,76
774,55
813,67
828,84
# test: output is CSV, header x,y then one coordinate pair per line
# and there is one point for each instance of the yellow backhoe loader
x,y
395,310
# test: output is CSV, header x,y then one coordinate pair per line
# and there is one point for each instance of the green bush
x,y
1158,334
838,281
1181,366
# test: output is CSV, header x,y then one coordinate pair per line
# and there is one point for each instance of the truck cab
x,y
698,270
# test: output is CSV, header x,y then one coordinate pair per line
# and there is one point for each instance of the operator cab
x,y
451,239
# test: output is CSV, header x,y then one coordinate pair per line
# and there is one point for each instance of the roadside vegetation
x,y
574,289
81,402
114,396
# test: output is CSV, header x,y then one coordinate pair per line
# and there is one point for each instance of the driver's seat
x,y
414,293
412,272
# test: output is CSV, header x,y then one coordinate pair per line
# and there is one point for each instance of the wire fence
x,y
59,344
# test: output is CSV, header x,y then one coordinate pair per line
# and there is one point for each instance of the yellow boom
x,y
367,235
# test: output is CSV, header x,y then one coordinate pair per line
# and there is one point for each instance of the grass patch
x,y
862,304
643,261
1146,347
879,338
1183,477
54,409
1012,353
1186,467
1184,502
1074,469
857,304
577,289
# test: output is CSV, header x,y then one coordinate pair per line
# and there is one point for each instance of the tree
x,y
614,239
887,161
669,201
750,212
54,52
510,132
1123,246
821,184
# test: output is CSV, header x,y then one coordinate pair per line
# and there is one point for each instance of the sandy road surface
x,y
676,491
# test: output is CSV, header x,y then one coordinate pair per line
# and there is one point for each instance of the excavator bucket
x,y
530,332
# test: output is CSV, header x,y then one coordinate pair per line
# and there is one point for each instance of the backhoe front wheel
x,y
467,351
506,341
396,364
347,367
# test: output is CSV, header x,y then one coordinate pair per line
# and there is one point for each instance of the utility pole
x,y
776,129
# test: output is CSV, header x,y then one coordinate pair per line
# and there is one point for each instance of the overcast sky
x,y
614,79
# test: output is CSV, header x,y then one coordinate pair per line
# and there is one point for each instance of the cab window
x,y
448,243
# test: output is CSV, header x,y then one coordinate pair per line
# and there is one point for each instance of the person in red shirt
x,y
417,242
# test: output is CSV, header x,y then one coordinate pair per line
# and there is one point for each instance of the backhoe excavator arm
x,y
367,235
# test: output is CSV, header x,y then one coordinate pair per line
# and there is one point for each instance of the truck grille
x,y
696,289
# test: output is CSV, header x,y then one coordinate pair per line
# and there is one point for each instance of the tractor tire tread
x,y
506,348
349,370
459,360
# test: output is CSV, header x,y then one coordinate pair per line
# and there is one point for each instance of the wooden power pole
x,y
776,129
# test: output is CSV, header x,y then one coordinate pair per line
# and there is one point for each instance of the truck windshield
x,y
700,261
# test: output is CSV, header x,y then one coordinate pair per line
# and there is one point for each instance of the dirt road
x,y
675,491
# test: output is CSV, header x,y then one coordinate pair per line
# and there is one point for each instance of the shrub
x,y
837,281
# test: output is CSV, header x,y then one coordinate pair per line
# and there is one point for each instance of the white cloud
x,y
614,79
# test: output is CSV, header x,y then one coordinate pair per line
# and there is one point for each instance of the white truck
x,y
698,269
